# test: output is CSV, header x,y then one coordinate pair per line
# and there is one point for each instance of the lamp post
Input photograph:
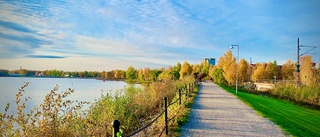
x,y
231,47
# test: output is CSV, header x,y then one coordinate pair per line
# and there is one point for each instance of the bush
x,y
300,94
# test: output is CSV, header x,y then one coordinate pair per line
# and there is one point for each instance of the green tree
x,y
177,67
131,73
154,74
85,74
204,67
218,76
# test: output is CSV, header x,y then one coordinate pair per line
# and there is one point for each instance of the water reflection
x,y
85,89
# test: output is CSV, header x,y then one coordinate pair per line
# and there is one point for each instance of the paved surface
x,y
218,113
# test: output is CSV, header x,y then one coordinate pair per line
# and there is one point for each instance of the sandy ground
x,y
219,113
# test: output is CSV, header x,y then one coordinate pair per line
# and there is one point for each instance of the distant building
x,y
211,61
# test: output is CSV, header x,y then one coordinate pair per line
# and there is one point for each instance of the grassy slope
x,y
296,120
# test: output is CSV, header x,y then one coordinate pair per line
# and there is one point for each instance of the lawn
x,y
295,120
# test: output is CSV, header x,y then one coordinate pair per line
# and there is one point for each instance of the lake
x,y
85,89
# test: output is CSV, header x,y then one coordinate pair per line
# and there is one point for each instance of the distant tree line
x,y
174,72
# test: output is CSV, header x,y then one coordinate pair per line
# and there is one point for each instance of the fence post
x,y
116,126
186,88
192,85
179,96
165,114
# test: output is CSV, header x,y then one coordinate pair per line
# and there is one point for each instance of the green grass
x,y
295,120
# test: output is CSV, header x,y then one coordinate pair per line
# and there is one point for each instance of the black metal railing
x,y
186,90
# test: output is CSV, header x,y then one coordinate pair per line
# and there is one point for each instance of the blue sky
x,y
114,34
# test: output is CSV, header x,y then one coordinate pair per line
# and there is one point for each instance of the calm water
x,y
85,89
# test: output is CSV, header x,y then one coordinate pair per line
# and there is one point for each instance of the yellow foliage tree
x,y
307,71
259,72
287,71
271,70
165,76
228,64
122,74
23,71
243,71
170,69
117,74
146,73
140,74
186,69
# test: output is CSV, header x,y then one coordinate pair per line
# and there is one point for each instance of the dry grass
x,y
58,116
301,94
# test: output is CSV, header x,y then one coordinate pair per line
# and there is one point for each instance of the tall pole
x,y
250,69
237,62
298,63
237,71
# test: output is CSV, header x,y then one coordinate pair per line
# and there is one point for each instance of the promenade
x,y
218,113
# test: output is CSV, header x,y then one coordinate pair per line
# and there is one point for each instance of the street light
x,y
231,47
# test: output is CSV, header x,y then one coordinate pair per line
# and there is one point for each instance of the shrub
x,y
300,94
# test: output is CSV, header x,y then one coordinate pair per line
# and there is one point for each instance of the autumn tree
x,y
122,74
111,74
243,71
117,74
204,67
260,72
228,64
211,70
131,73
146,74
140,74
177,67
195,68
307,71
170,69
271,70
287,71
186,69
23,72
165,76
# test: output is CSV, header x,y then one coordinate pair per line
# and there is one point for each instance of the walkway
x,y
218,113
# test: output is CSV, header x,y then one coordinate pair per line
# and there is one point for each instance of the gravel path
x,y
218,113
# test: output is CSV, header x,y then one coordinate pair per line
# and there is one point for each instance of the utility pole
x,y
298,58
250,68
298,64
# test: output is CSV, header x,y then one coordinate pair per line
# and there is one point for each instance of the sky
x,y
97,35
